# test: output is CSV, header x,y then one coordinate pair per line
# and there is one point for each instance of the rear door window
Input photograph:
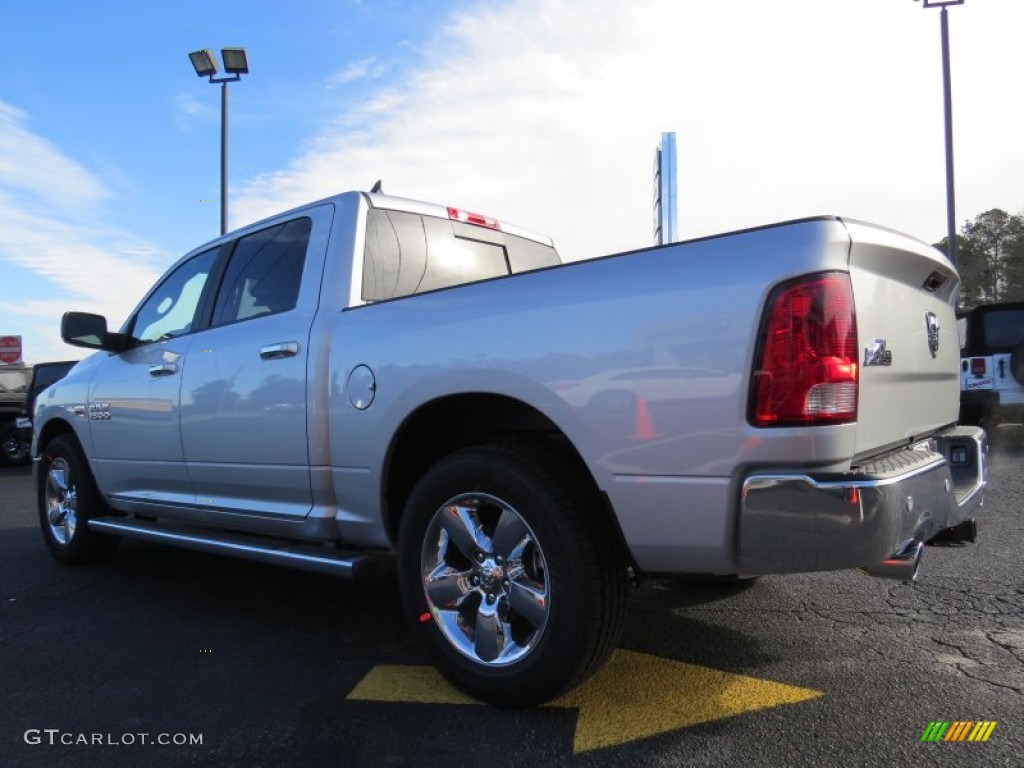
x,y
264,273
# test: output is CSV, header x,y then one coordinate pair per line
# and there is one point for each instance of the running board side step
x,y
301,555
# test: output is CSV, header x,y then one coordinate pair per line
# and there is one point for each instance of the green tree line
x,y
991,264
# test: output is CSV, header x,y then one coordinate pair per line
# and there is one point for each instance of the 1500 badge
x,y
99,411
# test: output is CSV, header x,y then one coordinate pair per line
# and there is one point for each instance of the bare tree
x,y
991,265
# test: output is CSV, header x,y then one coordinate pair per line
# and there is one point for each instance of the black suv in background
x,y
16,426
14,383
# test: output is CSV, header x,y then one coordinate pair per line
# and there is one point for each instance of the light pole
x,y
236,64
947,95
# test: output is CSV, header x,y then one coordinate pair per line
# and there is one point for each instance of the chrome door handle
x,y
277,351
163,369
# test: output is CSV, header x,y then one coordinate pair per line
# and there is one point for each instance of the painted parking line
x,y
634,696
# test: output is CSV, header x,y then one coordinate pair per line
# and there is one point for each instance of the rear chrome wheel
x,y
485,579
509,579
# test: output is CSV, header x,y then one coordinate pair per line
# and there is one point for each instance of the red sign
x,y
10,349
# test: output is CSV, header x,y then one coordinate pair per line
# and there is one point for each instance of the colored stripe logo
x,y
959,730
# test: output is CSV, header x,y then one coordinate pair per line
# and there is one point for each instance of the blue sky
x,y
541,112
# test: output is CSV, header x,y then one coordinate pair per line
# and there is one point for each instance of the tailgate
x,y
904,294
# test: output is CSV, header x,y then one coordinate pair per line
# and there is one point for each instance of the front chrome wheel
x,y
61,502
67,499
485,579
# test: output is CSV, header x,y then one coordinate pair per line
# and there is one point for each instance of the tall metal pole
x,y
223,158
948,105
236,64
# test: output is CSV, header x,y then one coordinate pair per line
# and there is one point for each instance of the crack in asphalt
x,y
994,683
972,656
1015,651
989,654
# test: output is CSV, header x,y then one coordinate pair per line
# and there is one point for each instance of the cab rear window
x,y
407,253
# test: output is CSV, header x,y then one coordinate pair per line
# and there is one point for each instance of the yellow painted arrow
x,y
634,696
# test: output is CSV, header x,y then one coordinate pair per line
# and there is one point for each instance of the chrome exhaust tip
x,y
903,565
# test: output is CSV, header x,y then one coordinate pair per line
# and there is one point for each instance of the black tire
x,y
67,500
14,451
514,521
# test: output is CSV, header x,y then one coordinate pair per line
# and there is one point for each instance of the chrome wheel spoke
x,y
529,600
489,636
463,529
509,533
57,514
57,480
447,587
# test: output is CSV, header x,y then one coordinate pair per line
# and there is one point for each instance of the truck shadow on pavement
x,y
171,609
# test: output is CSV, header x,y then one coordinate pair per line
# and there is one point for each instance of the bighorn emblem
x,y
931,323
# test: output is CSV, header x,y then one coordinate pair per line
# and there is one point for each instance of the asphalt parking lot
x,y
167,657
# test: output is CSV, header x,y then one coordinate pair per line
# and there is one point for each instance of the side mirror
x,y
83,329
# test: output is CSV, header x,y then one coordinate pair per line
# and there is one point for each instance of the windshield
x,y
48,374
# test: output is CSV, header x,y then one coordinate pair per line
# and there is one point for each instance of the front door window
x,y
171,309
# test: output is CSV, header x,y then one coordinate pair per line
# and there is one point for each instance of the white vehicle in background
x,y
992,365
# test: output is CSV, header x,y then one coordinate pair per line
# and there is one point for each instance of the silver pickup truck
x,y
368,379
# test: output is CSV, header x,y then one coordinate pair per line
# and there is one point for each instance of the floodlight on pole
x,y
235,60
236,64
947,100
204,63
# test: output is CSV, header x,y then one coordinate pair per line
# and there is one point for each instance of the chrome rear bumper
x,y
874,517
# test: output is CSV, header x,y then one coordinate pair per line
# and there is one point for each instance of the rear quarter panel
x,y
641,359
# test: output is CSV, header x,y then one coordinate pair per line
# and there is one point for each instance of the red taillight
x,y
805,367
977,366
468,217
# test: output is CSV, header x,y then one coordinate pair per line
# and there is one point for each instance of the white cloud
x,y
23,156
369,68
81,259
547,112
51,225
188,109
